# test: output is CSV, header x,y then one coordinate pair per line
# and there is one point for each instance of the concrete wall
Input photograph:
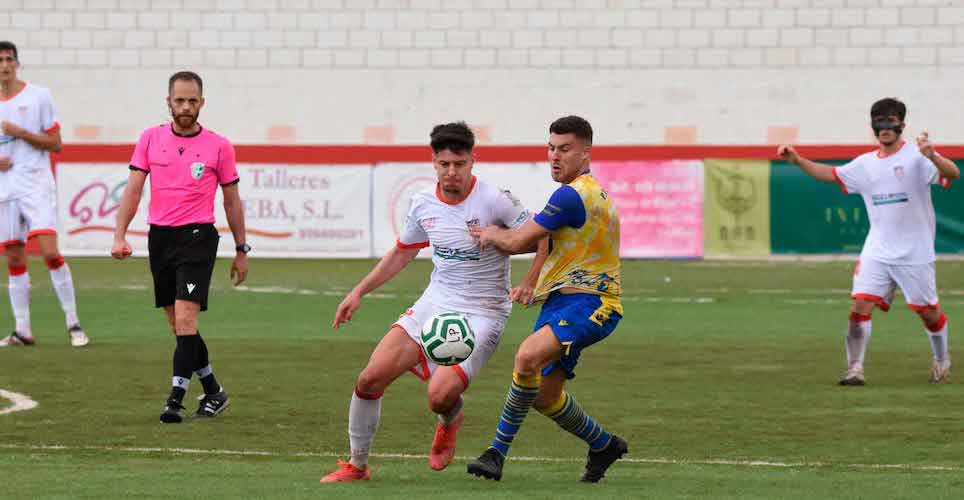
x,y
384,71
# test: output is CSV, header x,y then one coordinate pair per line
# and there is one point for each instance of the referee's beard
x,y
185,120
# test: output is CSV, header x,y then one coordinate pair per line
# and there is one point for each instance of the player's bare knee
x,y
52,257
441,401
370,382
527,362
863,307
933,318
16,255
14,260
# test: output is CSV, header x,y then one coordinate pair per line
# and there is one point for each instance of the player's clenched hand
x,y
789,154
121,249
924,144
11,129
346,309
5,164
239,268
522,294
475,232
483,235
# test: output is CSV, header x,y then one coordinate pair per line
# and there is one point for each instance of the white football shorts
x,y
32,214
876,282
487,329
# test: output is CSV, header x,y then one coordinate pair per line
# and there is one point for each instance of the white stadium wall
x,y
385,71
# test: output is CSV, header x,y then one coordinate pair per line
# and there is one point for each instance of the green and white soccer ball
x,y
447,338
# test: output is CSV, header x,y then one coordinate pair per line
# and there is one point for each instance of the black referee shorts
x,y
182,260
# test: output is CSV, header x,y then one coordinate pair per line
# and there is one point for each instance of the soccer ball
x,y
447,338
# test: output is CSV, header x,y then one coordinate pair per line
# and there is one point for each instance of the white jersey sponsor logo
x,y
465,278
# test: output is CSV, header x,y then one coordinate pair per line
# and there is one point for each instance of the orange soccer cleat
x,y
347,472
443,446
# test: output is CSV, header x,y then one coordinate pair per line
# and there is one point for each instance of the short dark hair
x,y
456,137
186,76
888,106
572,124
5,45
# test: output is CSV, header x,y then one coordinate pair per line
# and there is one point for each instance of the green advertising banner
x,y
736,208
809,216
949,205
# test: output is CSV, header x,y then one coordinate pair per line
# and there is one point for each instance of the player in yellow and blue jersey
x,y
579,286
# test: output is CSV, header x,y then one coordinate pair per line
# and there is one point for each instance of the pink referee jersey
x,y
185,173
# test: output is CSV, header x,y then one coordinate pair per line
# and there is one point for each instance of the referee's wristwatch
x,y
243,248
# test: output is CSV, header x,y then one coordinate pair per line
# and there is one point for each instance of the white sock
x,y
64,286
858,336
939,341
20,302
448,417
363,417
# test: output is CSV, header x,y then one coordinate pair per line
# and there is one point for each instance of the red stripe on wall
x,y
362,153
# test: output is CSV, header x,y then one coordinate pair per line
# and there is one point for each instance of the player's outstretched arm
x,y
125,214
816,170
391,264
524,292
234,211
947,168
46,141
511,241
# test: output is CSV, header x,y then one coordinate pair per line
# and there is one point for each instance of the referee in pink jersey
x,y
186,163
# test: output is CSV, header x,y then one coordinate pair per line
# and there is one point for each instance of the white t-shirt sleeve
x,y
49,118
930,173
850,176
509,211
412,235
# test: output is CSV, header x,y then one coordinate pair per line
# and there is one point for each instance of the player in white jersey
x,y
29,131
465,279
895,183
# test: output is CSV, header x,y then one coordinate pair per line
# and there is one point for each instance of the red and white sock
x,y
64,286
19,288
937,333
858,336
448,417
364,412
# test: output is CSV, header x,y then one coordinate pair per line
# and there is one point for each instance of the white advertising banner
x,y
394,184
88,196
290,211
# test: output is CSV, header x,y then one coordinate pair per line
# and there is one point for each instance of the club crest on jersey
x,y
899,172
197,170
427,223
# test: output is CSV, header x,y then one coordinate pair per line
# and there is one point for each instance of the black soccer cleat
x,y
598,462
488,465
172,412
211,405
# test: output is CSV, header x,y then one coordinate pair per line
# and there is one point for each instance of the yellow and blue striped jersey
x,y
584,232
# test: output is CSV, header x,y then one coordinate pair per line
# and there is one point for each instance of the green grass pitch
x,y
722,377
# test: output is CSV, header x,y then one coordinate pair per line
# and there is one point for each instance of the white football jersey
x,y
465,278
33,110
897,192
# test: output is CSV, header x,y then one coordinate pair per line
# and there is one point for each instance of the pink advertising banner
x,y
660,206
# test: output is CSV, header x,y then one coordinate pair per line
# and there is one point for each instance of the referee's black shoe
x,y
172,412
211,405
488,465
599,461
